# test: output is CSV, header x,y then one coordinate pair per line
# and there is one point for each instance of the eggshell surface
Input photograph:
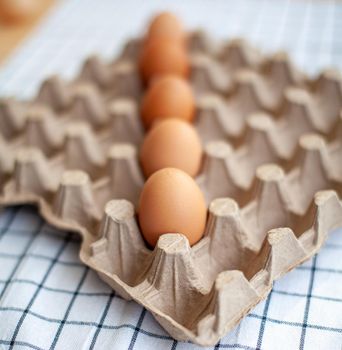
x,y
171,202
15,11
168,97
171,143
166,25
161,57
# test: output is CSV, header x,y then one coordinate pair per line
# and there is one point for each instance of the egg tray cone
x,y
72,151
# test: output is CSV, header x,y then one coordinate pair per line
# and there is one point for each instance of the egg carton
x,y
94,119
99,83
214,64
102,153
316,108
120,77
217,70
48,121
196,293
206,276
56,125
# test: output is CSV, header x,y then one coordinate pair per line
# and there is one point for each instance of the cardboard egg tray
x,y
271,175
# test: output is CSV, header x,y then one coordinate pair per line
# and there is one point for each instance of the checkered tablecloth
x,y
48,299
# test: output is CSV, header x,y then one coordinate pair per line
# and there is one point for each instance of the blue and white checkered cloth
x,y
48,299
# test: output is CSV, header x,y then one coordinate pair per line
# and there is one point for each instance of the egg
x,y
13,11
171,202
168,96
171,143
161,57
166,26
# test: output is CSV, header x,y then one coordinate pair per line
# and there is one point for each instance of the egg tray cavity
x,y
73,152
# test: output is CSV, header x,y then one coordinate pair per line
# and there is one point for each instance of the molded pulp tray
x,y
271,174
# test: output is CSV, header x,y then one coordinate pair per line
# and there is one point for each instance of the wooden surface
x,y
12,34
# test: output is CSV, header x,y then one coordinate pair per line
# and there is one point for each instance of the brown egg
x,y
166,26
15,11
171,143
161,57
172,202
168,97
